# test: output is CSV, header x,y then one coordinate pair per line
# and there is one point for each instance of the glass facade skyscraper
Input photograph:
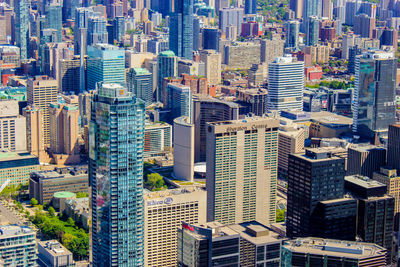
x,y
167,67
116,138
54,19
140,82
374,107
21,9
181,29
106,63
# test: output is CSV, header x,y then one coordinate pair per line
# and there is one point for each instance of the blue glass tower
x,y
54,19
116,140
250,7
21,34
105,63
181,29
140,83
167,67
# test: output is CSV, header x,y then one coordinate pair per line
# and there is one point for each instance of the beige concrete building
x,y
52,253
64,133
271,49
183,148
242,55
212,60
242,163
35,132
319,53
17,167
291,141
12,127
391,179
41,91
164,212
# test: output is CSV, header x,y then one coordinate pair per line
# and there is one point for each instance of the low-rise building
x,y
17,167
17,246
53,254
43,184
78,209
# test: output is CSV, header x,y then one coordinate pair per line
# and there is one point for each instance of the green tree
x,y
34,202
71,222
280,215
81,194
154,181
52,212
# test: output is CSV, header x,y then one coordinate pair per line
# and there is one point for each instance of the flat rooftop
x,y
326,117
54,248
14,230
256,233
8,156
365,148
336,248
363,181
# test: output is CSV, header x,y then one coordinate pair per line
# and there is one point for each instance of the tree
x,y
34,202
81,194
71,222
280,215
154,181
52,212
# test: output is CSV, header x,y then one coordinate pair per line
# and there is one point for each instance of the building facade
x,y
17,167
242,159
116,158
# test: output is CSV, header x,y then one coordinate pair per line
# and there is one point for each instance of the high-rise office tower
x,y
81,27
312,8
21,22
291,141
167,67
196,33
327,9
292,34
97,30
285,84
41,91
13,127
250,7
54,19
116,176
139,82
313,176
179,100
231,17
365,160
212,60
271,49
364,25
208,109
242,159
35,132
118,28
64,133
375,211
374,93
70,74
105,63
297,7
312,30
210,39
181,29
393,153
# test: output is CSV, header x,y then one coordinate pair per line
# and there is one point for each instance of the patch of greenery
x,y
81,195
154,182
280,215
65,231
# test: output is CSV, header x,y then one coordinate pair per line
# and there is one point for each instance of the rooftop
x,y
14,230
256,233
326,117
54,248
365,148
8,156
64,194
167,53
349,249
363,181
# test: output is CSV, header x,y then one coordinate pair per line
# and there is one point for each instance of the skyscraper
x,y
242,170
312,30
312,8
21,9
105,63
97,30
208,109
231,17
292,34
54,19
167,67
374,93
116,173
179,100
285,84
314,176
139,82
210,39
181,29
250,7
41,91
297,7
393,154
